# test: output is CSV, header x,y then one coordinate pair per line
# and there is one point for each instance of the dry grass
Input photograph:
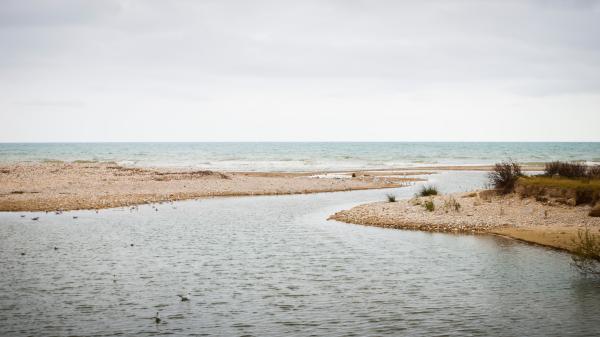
x,y
593,184
583,191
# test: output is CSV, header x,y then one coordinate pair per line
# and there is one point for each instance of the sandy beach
x,y
55,186
481,212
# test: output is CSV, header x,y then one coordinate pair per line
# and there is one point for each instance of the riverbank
x,y
547,224
63,186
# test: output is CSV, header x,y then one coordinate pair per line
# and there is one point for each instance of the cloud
x,y
188,53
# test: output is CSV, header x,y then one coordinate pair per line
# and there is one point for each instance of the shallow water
x,y
269,266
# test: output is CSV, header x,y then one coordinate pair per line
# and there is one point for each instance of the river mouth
x,y
272,266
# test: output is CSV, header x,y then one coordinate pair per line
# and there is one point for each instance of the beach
x,y
480,212
79,185
60,186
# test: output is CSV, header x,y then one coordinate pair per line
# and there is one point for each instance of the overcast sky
x,y
128,70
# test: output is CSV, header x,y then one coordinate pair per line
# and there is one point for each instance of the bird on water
x,y
184,298
156,318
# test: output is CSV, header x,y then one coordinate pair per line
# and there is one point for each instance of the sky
x,y
152,70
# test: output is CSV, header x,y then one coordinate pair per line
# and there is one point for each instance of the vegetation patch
x,y
427,191
391,198
505,175
451,204
566,169
587,252
429,205
564,190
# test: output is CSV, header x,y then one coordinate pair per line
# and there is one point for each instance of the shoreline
x,y
481,212
84,185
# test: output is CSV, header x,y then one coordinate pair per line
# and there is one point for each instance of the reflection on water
x,y
273,266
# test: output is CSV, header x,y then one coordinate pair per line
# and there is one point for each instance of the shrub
x,y
429,205
594,172
551,168
451,204
566,169
427,191
587,250
391,197
505,175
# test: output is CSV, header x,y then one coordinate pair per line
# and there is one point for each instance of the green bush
x,y
391,198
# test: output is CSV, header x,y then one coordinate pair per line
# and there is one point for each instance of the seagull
x,y
156,318
22,216
75,217
114,278
36,218
184,298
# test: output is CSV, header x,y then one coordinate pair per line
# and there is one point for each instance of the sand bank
x,y
83,185
480,212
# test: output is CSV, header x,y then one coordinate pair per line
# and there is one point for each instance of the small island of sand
x,y
51,186
549,210
526,219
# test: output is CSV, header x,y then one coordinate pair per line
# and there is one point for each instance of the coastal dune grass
x,y
427,191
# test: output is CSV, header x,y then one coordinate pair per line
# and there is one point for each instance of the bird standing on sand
x,y
156,318
184,298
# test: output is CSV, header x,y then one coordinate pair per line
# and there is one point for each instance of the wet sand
x,y
550,225
55,186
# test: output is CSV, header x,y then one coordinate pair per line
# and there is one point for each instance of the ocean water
x,y
298,156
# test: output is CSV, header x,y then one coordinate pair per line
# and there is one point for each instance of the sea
x,y
301,156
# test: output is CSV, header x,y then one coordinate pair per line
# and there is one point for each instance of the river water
x,y
273,266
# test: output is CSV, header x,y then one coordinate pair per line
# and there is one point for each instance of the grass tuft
x,y
451,204
391,197
429,205
427,191
587,250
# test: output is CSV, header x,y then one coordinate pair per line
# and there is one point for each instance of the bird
x,y
55,248
114,278
184,298
22,216
22,254
156,318
74,217
36,218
